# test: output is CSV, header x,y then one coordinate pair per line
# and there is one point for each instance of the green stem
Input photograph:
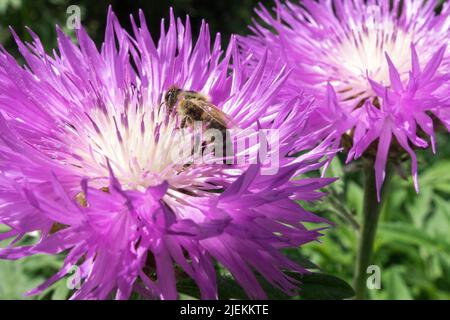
x,y
371,214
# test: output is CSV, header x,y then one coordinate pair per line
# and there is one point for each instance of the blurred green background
x,y
412,247
413,244
42,16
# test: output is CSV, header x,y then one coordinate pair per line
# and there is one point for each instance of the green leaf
x,y
320,286
409,234
295,255
355,197
437,177
14,281
336,170
183,296
396,285
420,206
313,286
61,291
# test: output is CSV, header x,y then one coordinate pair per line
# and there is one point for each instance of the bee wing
x,y
217,114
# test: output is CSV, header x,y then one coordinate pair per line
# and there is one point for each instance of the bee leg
x,y
186,122
183,123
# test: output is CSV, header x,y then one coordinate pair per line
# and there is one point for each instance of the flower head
x,y
386,61
87,145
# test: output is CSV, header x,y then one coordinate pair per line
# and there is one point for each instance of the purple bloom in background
x,y
386,67
85,144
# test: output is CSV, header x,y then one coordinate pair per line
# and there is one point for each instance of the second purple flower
x,y
385,63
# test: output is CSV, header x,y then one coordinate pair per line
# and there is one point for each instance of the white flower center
x,y
367,54
362,54
143,146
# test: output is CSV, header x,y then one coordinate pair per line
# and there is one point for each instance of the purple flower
x,y
85,144
387,63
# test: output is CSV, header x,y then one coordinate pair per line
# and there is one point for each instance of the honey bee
x,y
192,106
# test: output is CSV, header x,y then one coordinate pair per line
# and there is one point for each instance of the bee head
x,y
171,97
